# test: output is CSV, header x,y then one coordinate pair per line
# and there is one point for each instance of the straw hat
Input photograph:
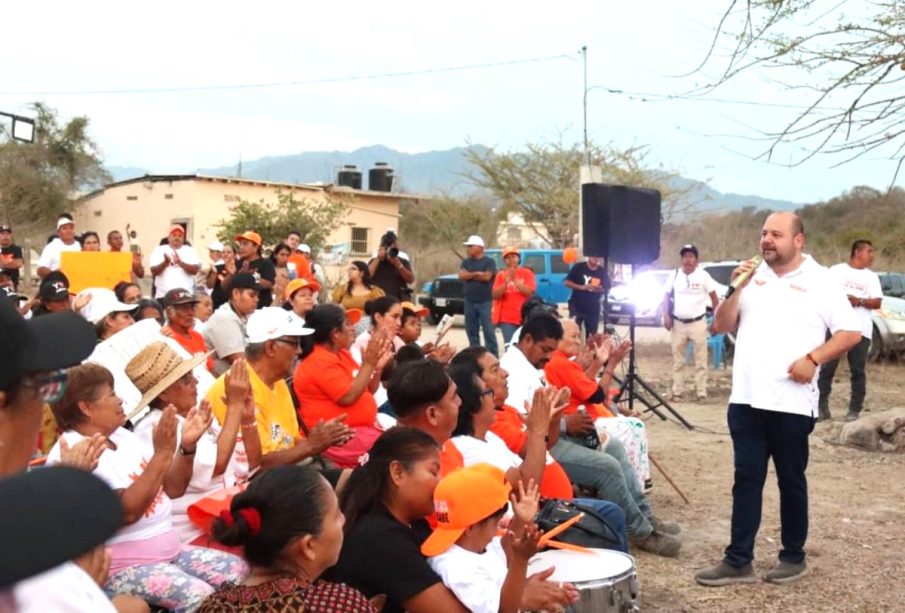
x,y
157,367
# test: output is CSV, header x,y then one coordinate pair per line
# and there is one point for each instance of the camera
x,y
393,252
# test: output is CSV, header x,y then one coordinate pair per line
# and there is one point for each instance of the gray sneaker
x,y
666,527
724,574
852,416
786,572
660,544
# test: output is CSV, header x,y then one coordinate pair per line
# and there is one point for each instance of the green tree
x,y
843,59
314,220
542,183
39,180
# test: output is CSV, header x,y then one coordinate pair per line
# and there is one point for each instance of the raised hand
x,y
538,414
443,354
525,505
164,435
377,348
330,433
85,454
196,424
238,387
524,544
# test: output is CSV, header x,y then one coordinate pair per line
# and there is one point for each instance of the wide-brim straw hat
x,y
157,367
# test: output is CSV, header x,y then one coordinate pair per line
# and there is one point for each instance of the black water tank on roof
x,y
380,178
349,176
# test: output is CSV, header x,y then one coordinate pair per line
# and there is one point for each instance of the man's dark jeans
x,y
857,364
590,320
758,435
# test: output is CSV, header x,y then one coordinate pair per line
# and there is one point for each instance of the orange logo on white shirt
x,y
157,499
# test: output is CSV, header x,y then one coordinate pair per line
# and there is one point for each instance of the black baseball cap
x,y
10,293
689,248
52,515
244,280
178,296
5,227
55,286
41,344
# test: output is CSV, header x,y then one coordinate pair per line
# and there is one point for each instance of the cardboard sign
x,y
86,269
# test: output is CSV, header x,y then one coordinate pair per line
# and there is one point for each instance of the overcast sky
x,y
66,47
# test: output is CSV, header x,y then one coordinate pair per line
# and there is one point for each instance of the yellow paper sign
x,y
86,269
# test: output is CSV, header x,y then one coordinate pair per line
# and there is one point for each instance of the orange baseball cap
x,y
463,498
419,311
297,284
511,250
354,315
250,236
176,228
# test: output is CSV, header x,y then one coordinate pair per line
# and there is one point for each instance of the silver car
x,y
889,329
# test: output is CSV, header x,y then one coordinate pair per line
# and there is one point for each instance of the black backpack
x,y
592,530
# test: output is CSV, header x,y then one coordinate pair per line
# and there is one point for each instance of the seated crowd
x,y
306,456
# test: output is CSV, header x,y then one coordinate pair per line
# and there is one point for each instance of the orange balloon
x,y
570,255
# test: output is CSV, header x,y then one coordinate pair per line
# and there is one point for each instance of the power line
x,y
205,88
656,97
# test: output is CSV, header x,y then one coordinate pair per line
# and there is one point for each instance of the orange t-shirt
x,y
302,267
324,377
194,344
508,309
510,427
563,372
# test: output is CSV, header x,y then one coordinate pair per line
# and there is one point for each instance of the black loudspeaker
x,y
620,223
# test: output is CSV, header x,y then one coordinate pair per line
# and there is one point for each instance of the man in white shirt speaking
x,y
688,294
782,310
862,288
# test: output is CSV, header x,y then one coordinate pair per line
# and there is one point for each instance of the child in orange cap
x,y
486,573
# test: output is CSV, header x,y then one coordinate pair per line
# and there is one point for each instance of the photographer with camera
x,y
391,270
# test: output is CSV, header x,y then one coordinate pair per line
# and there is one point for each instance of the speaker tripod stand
x,y
646,395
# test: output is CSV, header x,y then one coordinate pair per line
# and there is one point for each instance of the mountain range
x,y
428,172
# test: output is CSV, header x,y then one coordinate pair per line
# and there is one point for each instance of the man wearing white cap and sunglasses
x,y
477,271
50,257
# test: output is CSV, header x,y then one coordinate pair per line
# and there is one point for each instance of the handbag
x,y
591,531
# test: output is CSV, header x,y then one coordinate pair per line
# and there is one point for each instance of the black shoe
x,y
852,416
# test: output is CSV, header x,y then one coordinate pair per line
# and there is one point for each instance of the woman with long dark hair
x,y
290,527
280,259
357,291
386,502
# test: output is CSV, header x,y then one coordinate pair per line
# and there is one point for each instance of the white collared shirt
x,y
524,379
691,292
782,319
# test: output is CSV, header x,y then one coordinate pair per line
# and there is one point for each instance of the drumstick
x,y
558,529
568,547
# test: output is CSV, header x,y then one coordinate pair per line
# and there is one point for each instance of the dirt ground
x,y
857,524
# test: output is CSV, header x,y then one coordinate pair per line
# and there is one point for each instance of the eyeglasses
x,y
289,341
50,386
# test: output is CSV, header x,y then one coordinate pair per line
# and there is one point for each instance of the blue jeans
x,y
610,475
477,315
758,435
508,330
613,515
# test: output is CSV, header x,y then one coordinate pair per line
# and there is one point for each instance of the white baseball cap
x,y
62,221
474,239
271,323
103,302
303,248
215,246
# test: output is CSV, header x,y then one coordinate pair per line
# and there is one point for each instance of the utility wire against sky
x,y
203,88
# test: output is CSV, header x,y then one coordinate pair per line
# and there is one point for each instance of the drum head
x,y
578,567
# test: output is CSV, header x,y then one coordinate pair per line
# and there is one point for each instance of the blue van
x,y
445,294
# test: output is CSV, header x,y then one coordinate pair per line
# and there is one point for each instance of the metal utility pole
x,y
587,150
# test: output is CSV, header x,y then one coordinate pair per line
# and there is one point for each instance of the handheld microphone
x,y
739,280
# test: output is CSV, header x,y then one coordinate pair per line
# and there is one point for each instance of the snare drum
x,y
606,580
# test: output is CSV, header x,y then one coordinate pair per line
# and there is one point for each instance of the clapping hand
x,y
164,435
524,544
196,424
379,349
85,454
525,505
330,433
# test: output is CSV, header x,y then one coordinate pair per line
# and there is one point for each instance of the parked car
x,y
889,329
446,293
892,284
644,293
